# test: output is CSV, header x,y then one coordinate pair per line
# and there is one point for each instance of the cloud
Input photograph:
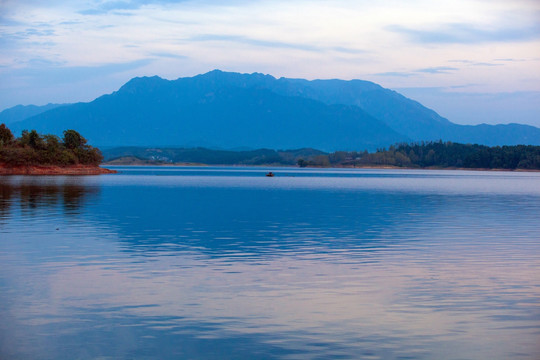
x,y
39,37
437,70
42,62
45,71
467,34
119,5
395,73
254,42
348,50
485,64
168,55
474,63
510,60
27,33
464,106
430,70
37,32
7,21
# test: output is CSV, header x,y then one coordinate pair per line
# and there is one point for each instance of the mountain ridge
x,y
228,110
22,112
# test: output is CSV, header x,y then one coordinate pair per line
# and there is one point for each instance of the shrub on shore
x,y
32,148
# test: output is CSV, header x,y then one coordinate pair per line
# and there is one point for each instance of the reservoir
x,y
227,263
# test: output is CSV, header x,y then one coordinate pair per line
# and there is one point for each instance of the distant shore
x,y
425,155
374,167
54,170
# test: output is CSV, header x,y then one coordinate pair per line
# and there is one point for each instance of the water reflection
x,y
249,223
35,194
201,267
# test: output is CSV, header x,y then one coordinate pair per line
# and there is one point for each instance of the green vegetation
x,y
419,155
33,148
149,156
437,154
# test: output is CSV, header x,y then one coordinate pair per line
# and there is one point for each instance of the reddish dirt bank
x,y
54,170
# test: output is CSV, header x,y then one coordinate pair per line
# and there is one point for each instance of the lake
x,y
226,263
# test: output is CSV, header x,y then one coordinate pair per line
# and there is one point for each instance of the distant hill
x,y
230,110
140,155
403,115
21,112
436,154
194,111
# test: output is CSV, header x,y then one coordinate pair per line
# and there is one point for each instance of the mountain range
x,y
231,110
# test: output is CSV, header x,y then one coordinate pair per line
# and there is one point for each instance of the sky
x,y
472,61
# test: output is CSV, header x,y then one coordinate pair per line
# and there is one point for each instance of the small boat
x,y
270,174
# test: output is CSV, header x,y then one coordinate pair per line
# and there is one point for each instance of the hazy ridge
x,y
229,110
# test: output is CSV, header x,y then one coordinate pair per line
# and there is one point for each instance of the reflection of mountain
x,y
238,213
34,194
236,265
253,222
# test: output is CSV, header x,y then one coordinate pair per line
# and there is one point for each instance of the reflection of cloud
x,y
447,277
467,34
335,300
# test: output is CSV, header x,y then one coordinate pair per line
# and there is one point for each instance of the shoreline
x,y
373,167
54,170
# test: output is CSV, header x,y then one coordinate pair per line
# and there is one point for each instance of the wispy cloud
x,y
120,5
348,50
474,63
489,42
34,37
36,32
510,60
430,70
42,62
168,55
467,34
437,70
255,42
485,64
395,73
7,21
43,70
463,105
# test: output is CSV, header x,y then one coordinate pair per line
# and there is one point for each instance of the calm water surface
x,y
217,263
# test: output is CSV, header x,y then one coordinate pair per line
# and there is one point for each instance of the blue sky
x,y
472,61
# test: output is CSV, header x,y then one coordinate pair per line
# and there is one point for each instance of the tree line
x,y
436,154
32,148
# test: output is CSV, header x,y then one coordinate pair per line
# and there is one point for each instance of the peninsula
x,y
36,154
